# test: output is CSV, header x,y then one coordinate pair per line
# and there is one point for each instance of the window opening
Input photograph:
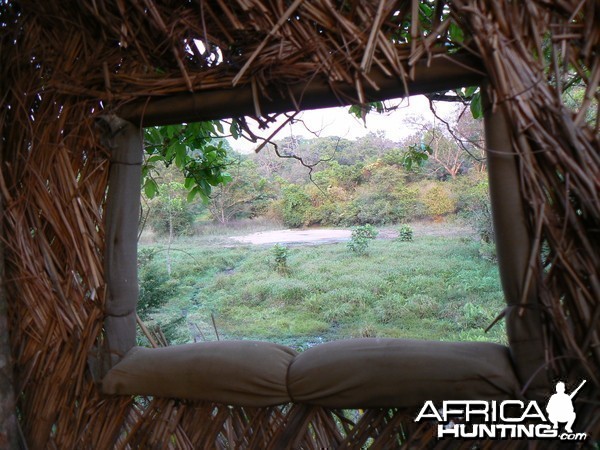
x,y
259,373
226,268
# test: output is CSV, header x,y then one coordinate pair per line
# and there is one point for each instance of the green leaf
x,y
357,111
180,154
189,183
226,178
476,109
470,90
150,188
234,129
192,194
456,33
426,12
154,158
417,154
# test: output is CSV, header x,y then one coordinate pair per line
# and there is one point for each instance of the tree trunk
x,y
170,238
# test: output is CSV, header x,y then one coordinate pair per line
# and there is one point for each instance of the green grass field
x,y
431,288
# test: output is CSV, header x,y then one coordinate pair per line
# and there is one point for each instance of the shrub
x,y
405,233
156,288
361,236
487,251
377,209
280,256
439,201
296,206
475,206
337,213
408,201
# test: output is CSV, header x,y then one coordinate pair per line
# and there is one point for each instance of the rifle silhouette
x,y
572,394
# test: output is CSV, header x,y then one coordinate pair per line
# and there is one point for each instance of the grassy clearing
x,y
431,288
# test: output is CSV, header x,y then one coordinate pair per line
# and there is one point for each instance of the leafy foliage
x,y
405,233
361,111
194,149
473,202
280,257
171,214
155,286
361,237
371,180
439,201
416,155
296,204
247,195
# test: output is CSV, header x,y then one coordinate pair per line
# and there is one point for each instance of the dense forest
x,y
330,181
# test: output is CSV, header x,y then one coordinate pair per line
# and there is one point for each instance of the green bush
x,y
407,198
280,257
474,205
405,233
439,201
156,288
296,206
377,209
361,237
336,213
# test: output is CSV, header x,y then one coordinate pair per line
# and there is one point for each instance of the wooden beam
x,y
514,246
8,418
441,73
122,214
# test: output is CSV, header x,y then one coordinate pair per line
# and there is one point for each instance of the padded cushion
x,y
244,373
355,373
362,373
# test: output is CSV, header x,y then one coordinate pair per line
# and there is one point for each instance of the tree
x,y
384,197
171,214
295,205
246,195
336,175
447,158
451,151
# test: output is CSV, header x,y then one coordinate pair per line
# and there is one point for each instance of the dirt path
x,y
315,236
307,237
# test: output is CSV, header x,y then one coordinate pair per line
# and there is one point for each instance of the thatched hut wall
x,y
64,63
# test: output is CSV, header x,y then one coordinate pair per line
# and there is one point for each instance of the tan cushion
x,y
245,373
356,373
361,373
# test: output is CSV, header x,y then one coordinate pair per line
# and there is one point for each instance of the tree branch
x,y
458,139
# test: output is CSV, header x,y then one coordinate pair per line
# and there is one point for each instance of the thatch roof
x,y
65,62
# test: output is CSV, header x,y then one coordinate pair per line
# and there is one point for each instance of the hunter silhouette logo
x,y
508,419
560,406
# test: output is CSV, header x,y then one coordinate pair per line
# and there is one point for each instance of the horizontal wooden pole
x,y
443,72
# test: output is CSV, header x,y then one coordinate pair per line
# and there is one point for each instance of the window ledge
x,y
355,373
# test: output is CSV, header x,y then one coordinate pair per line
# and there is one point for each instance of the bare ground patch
x,y
314,236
